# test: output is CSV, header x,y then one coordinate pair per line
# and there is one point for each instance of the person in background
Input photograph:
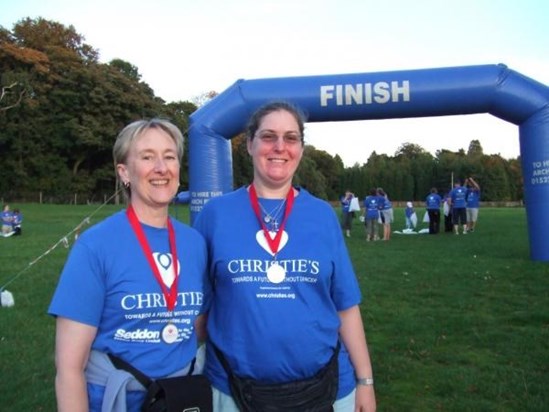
x,y
433,202
371,215
346,214
125,280
472,203
387,214
7,219
279,276
447,211
409,213
17,222
457,201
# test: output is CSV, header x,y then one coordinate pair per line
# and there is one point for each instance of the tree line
x,y
412,172
409,175
61,109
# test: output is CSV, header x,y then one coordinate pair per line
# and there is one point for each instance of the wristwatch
x,y
365,381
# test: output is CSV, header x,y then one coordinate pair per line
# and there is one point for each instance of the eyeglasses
x,y
290,138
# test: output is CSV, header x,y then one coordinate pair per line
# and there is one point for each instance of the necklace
x,y
275,273
271,218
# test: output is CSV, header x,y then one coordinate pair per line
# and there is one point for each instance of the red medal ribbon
x,y
273,243
169,295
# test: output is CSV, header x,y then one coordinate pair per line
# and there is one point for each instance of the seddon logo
x,y
137,335
191,410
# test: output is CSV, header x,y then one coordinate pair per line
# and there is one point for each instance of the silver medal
x,y
276,273
170,333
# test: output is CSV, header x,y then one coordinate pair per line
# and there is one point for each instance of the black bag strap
x,y
152,402
122,364
221,358
140,376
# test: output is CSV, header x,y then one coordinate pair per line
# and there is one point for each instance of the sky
x,y
184,48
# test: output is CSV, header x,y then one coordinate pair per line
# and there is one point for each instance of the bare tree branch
x,y
5,90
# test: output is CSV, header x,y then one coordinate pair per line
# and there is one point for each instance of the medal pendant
x,y
170,333
276,273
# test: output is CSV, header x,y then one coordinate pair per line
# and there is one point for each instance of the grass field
x,y
454,323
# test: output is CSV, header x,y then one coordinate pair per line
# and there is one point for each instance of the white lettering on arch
x,y
364,93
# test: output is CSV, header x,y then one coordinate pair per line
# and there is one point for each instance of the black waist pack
x,y
189,393
315,394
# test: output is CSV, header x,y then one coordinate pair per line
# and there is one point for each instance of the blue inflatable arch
x,y
493,89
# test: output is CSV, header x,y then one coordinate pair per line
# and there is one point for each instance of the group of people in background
x,y
462,205
433,202
460,209
12,221
378,211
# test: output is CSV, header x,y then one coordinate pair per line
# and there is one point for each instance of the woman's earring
x,y
126,185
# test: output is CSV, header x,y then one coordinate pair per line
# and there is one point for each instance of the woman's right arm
x,y
72,349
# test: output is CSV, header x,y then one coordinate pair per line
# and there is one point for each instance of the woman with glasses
x,y
284,324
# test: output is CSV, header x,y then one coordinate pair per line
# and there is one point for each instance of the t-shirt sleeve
x,y
80,292
345,289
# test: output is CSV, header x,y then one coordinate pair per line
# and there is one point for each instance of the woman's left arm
x,y
353,337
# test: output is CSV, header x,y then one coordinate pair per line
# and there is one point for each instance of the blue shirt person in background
x,y
371,215
472,203
432,204
386,210
346,214
7,219
458,201
17,222
410,215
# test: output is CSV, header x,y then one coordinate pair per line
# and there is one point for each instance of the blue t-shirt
x,y
17,219
384,203
458,197
433,201
473,198
6,217
276,332
107,283
408,211
371,206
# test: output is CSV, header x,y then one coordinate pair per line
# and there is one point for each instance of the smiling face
x,y
152,170
276,150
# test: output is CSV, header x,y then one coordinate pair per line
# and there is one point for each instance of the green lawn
x,y
454,323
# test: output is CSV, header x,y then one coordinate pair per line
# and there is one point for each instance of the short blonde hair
x,y
127,136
